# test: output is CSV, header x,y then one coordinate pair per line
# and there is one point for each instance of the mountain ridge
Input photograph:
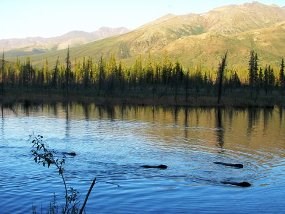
x,y
197,40
72,38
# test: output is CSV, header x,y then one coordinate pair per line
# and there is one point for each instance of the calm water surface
x,y
112,143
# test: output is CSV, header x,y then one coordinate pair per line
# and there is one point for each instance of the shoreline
x,y
207,101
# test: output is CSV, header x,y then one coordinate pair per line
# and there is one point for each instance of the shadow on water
x,y
206,127
2,125
107,110
253,119
280,115
121,112
254,116
86,110
219,129
53,107
2,111
66,106
175,114
186,123
267,114
29,106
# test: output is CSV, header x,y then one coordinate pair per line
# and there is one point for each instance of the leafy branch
x,y
47,157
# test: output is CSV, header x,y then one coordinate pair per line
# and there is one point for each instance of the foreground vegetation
x,y
47,157
150,83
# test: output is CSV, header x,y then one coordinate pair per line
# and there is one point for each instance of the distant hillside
x,y
197,40
36,45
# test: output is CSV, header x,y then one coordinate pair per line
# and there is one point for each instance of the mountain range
x,y
72,39
196,40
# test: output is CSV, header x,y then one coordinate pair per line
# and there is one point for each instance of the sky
x,y
48,18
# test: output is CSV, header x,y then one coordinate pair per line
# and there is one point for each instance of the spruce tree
x,y
67,70
220,76
101,78
260,78
281,74
253,69
271,76
55,74
2,73
266,79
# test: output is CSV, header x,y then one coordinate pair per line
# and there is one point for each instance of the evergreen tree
x,y
27,73
149,71
271,77
78,71
67,70
234,80
2,73
55,74
260,78
15,73
101,78
266,79
157,76
281,74
166,70
121,80
197,81
186,85
86,73
112,72
136,76
46,73
178,77
253,69
40,77
91,71
220,76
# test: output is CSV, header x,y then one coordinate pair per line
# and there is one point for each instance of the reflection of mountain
x,y
198,39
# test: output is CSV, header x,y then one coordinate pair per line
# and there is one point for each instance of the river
x,y
112,143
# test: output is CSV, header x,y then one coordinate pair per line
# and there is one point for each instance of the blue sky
x,y
46,18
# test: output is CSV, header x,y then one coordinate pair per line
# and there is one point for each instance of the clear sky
x,y
46,18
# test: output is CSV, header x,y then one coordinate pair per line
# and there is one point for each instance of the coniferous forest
x,y
164,82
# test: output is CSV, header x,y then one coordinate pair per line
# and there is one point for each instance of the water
x,y
112,142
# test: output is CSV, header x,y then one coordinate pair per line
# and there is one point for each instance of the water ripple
x,y
113,149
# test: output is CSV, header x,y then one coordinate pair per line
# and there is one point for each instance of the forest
x,y
144,79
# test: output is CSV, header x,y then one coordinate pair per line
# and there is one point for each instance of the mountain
x,y
197,39
73,38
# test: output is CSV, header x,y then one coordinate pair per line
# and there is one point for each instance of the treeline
x,y
109,76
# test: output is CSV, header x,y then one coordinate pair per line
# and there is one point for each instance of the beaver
x,y
240,184
235,165
69,153
161,166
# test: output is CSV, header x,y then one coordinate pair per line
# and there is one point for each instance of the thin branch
x,y
86,198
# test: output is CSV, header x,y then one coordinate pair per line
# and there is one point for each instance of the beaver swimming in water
x,y
69,153
240,184
235,165
161,166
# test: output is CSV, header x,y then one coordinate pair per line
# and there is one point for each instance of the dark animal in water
x,y
235,165
161,166
240,184
69,153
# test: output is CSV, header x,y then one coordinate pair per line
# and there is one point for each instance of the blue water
x,y
112,143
